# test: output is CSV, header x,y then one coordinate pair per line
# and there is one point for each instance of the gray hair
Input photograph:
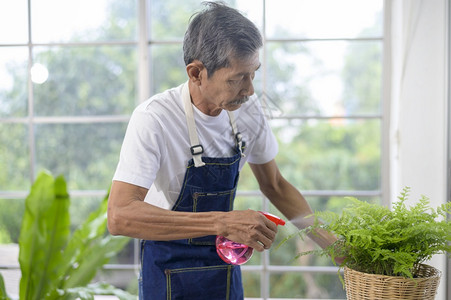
x,y
217,34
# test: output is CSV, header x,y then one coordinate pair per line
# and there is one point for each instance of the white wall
x,y
419,103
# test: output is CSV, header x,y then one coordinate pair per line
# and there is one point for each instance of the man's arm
x,y
288,200
129,215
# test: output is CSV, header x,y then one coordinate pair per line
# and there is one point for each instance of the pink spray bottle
x,y
237,253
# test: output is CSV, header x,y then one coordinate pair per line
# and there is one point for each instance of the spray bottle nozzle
x,y
275,219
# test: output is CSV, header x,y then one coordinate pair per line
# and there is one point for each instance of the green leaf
x,y
90,248
51,262
94,256
3,294
44,233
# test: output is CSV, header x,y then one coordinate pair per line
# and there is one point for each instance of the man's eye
x,y
233,82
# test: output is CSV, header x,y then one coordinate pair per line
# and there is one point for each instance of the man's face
x,y
230,87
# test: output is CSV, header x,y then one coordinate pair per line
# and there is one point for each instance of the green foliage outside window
x,y
337,154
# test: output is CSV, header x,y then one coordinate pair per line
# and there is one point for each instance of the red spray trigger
x,y
275,219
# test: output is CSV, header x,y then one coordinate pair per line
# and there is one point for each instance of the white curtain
x,y
418,103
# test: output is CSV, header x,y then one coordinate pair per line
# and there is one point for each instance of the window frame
x,y
144,85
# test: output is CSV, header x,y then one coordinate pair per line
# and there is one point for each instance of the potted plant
x,y
58,264
382,251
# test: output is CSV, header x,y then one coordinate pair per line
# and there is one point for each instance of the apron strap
x,y
196,148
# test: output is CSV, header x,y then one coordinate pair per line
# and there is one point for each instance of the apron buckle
x,y
239,137
197,149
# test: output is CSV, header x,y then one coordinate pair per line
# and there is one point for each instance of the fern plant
x,y
376,240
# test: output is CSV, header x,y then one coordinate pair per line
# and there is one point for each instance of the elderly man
x,y
179,165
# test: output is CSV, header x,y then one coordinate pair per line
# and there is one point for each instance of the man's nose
x,y
248,87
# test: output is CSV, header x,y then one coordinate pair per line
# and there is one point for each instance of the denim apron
x,y
191,268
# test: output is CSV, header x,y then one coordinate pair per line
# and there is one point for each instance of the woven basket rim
x,y
435,273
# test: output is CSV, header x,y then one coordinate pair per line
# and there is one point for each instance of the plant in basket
x,y
383,251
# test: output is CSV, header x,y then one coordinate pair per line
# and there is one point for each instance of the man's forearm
x,y
294,206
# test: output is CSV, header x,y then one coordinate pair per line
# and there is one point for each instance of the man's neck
x,y
202,104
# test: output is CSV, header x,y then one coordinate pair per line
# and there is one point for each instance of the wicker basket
x,y
363,286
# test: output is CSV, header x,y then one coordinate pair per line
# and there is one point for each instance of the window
x,y
67,89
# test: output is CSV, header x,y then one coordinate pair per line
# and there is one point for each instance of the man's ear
x,y
194,71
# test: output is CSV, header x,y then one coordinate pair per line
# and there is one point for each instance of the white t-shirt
x,y
156,147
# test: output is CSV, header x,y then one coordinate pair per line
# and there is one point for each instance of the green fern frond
x,y
375,239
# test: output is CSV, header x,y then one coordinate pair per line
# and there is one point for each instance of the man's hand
x,y
248,227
